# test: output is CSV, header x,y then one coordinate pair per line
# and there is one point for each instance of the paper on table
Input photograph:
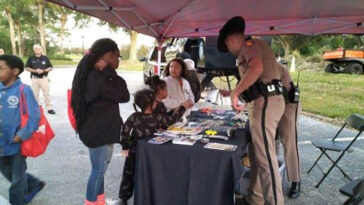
x,y
183,141
219,146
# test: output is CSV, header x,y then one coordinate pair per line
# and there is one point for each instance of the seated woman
x,y
179,90
191,74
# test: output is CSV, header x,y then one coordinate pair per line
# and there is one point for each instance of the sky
x,y
93,31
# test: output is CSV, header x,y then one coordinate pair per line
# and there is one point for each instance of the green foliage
x,y
124,52
331,95
57,56
143,51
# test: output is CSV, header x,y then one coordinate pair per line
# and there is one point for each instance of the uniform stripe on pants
x,y
298,158
267,150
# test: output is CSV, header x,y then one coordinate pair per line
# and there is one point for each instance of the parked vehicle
x,y
344,61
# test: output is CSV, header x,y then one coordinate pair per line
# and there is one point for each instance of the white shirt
x,y
177,94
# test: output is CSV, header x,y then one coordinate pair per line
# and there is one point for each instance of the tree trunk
x,y
285,45
133,48
41,26
63,31
20,40
12,32
286,51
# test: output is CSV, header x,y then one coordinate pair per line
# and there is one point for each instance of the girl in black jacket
x,y
97,91
138,126
159,87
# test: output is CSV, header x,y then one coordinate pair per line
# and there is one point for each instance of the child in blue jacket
x,y
12,164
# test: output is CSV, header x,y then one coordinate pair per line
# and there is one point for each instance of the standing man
x,y
260,87
39,66
287,130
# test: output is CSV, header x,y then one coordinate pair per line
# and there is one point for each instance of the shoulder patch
x,y
249,43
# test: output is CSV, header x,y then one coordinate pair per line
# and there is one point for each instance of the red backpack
x,y
71,117
36,144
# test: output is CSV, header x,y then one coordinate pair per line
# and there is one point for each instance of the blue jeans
x,y
100,158
13,168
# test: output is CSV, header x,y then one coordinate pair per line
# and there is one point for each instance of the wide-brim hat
x,y
233,25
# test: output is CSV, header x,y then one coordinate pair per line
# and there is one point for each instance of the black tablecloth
x,y
171,174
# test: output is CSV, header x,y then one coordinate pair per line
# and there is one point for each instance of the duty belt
x,y
35,76
262,89
293,95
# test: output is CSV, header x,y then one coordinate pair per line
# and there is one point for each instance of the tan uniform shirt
x,y
260,49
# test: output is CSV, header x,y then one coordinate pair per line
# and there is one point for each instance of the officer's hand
x,y
39,71
224,93
100,64
125,153
235,102
17,139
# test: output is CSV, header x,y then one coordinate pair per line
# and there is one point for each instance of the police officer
x,y
287,130
39,66
259,85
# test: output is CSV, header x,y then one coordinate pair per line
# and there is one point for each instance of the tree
x,y
133,45
8,8
133,35
40,5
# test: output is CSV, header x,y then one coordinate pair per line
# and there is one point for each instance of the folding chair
x,y
355,121
354,190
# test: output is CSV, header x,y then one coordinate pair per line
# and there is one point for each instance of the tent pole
x,y
159,57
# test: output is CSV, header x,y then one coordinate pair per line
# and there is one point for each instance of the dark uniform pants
x,y
127,183
287,130
264,115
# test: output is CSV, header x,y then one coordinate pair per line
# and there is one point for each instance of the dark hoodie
x,y
104,91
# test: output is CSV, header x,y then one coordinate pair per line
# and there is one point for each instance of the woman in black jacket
x,y
97,91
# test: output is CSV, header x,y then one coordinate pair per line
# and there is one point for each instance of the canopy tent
x,y
163,19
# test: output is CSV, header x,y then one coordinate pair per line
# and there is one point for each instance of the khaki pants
x,y
287,131
42,84
266,186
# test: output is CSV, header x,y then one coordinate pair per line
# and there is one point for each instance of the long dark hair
x,y
179,61
155,83
78,103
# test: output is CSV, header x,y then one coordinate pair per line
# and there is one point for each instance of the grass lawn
x,y
126,65
331,95
326,94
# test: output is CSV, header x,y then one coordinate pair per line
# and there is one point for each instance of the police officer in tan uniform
x,y
259,87
287,131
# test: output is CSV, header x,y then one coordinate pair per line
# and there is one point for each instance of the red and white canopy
x,y
186,18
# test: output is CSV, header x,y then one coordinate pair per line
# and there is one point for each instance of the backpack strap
x,y
22,100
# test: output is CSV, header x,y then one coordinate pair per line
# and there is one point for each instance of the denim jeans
x,y
100,158
13,168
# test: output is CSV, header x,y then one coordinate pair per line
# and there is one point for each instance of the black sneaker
x,y
30,195
51,112
295,190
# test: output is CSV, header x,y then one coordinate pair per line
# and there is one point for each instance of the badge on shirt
x,y
13,101
43,62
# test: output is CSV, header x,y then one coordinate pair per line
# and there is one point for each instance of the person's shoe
x,y
101,200
52,112
294,191
30,195
124,202
110,201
